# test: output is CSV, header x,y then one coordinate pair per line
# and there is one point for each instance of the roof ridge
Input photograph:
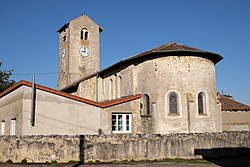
x,y
159,47
178,46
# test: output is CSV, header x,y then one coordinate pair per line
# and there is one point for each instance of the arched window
x,y
111,89
145,105
201,103
147,102
84,34
173,103
119,81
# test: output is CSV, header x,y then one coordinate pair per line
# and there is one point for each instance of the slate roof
x,y
170,49
228,104
103,104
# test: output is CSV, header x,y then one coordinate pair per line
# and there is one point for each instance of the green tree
x,y
5,80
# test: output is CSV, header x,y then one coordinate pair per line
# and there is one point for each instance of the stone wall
x,y
158,77
39,149
236,120
121,147
151,147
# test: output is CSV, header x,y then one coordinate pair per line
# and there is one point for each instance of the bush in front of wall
x,y
24,161
9,161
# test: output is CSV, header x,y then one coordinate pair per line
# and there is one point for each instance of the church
x,y
168,89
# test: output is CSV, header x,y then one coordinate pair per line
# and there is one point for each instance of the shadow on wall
x,y
81,154
226,156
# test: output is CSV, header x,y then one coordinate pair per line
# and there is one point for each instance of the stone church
x,y
168,89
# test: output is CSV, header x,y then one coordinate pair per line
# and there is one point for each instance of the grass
x,y
54,163
175,160
180,160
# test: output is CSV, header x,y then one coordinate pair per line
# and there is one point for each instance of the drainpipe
x,y
33,102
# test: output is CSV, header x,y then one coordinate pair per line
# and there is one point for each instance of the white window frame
x,y
124,123
3,128
179,108
13,127
205,103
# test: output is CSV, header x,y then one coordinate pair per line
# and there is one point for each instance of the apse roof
x,y
170,49
181,50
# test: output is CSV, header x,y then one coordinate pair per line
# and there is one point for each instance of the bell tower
x,y
79,50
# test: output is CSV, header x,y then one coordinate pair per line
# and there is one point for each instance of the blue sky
x,y
29,41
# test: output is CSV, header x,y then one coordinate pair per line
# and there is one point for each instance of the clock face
x,y
84,51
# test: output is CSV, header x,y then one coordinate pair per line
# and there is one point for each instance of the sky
x,y
29,40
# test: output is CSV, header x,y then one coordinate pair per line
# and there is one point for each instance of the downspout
x,y
33,102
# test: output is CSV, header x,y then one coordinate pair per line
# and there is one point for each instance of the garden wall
x,y
85,148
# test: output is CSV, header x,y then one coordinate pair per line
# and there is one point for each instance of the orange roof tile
x,y
228,104
77,98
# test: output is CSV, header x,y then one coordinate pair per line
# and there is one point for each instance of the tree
x,y
5,80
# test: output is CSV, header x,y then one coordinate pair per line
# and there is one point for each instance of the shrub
x,y
9,161
24,161
53,162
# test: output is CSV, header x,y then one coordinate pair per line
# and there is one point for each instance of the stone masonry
x,y
106,148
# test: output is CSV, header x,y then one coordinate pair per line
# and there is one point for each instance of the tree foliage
x,y
5,80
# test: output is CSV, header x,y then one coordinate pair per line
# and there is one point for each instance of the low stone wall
x,y
151,147
39,149
86,148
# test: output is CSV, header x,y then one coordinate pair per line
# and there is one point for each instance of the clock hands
x,y
84,51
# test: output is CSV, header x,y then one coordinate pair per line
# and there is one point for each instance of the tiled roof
x,y
228,104
173,46
104,104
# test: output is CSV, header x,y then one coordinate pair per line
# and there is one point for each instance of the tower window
x,y
84,34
